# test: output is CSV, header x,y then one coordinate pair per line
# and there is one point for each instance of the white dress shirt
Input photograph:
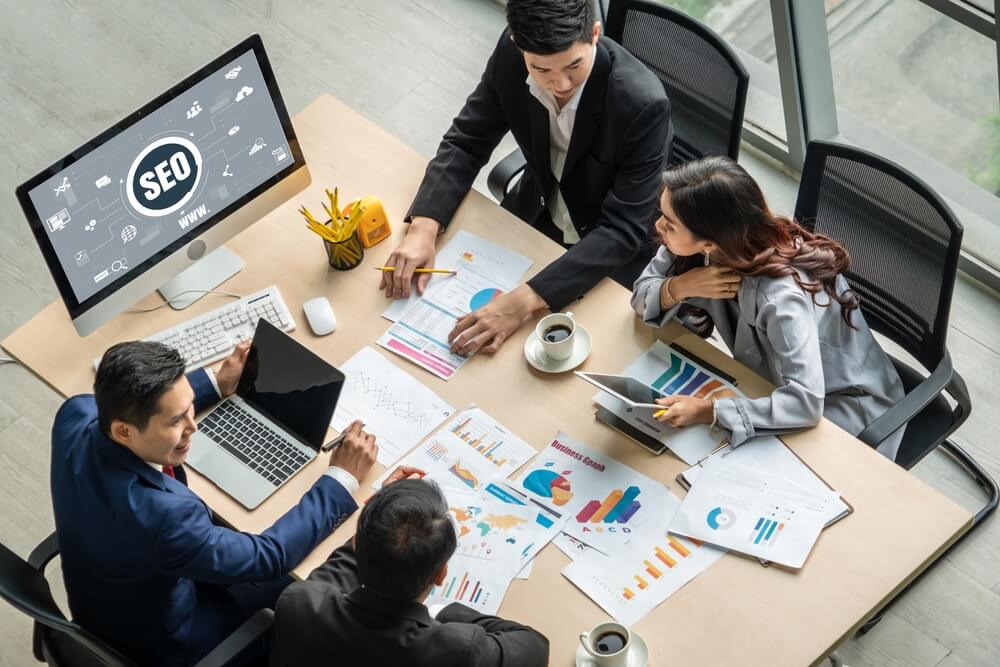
x,y
561,123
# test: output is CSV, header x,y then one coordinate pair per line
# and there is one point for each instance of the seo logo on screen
x,y
164,176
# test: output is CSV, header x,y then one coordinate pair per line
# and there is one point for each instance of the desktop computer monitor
x,y
148,203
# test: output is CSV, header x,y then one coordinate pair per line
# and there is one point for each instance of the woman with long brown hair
x,y
775,293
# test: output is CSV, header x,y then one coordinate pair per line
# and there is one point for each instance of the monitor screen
x,y
290,384
143,189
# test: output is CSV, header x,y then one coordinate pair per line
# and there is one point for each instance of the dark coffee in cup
x,y
556,333
609,643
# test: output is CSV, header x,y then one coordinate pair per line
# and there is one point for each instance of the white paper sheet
x,y
466,250
395,407
468,452
605,501
653,567
671,372
753,512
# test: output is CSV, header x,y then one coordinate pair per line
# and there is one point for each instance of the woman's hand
x,y
709,282
684,410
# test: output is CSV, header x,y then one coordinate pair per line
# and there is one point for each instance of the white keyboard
x,y
205,339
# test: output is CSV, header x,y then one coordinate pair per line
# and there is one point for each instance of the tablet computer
x,y
634,393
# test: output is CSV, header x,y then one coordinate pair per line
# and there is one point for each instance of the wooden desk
x,y
735,613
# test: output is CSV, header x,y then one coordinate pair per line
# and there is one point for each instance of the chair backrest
x,y
27,589
903,239
704,79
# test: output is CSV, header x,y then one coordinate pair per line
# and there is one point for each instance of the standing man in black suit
x,y
594,126
364,606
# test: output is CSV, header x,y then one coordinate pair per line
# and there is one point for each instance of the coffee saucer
x,y
538,359
638,654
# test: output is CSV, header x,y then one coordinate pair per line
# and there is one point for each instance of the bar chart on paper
x,y
632,584
618,507
483,437
470,590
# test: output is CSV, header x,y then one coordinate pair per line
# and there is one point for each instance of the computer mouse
x,y
320,316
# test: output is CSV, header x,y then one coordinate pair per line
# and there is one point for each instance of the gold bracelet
x,y
671,301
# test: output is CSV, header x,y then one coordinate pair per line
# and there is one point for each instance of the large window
x,y
912,80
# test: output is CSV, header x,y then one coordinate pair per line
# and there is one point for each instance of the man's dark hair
x,y
131,379
404,536
545,27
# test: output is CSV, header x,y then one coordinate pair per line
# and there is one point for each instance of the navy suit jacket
x,y
139,550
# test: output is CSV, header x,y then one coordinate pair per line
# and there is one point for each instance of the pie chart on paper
x,y
483,297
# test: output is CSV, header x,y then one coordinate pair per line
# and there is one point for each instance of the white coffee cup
x,y
562,349
592,643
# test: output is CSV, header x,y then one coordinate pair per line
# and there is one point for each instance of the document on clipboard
x,y
772,455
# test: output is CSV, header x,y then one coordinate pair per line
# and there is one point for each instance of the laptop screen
x,y
292,386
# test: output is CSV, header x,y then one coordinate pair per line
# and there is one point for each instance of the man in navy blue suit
x,y
145,567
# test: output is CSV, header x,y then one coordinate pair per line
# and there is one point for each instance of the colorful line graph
x,y
464,475
683,378
619,506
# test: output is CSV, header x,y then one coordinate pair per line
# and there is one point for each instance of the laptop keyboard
x,y
253,442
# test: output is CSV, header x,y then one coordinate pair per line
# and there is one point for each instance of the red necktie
x,y
169,472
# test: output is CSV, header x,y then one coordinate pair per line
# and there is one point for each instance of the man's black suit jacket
x,y
330,619
611,179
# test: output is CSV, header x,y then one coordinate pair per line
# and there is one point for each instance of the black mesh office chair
x,y
904,244
704,79
62,643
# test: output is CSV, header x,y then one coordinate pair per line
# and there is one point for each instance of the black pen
x,y
336,441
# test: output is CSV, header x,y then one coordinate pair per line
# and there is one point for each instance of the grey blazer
x,y
819,365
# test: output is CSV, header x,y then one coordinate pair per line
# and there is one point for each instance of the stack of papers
x,y
754,512
392,405
468,452
421,334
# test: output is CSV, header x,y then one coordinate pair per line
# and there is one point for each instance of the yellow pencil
x,y
393,268
659,413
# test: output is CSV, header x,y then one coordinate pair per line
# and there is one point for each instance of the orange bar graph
x,y
606,506
628,594
678,547
642,582
708,388
652,570
667,560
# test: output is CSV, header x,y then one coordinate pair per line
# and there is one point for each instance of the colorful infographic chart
x,y
654,566
605,501
683,377
483,297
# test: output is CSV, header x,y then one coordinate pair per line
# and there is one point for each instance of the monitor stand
x,y
201,277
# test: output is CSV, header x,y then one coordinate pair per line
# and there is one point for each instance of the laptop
x,y
274,425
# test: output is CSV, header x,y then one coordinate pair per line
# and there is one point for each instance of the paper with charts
x,y
421,334
671,372
769,454
753,512
655,565
466,250
605,501
468,452
495,541
394,406
550,521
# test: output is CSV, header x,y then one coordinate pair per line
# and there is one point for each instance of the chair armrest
x,y
910,405
501,175
44,552
243,636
